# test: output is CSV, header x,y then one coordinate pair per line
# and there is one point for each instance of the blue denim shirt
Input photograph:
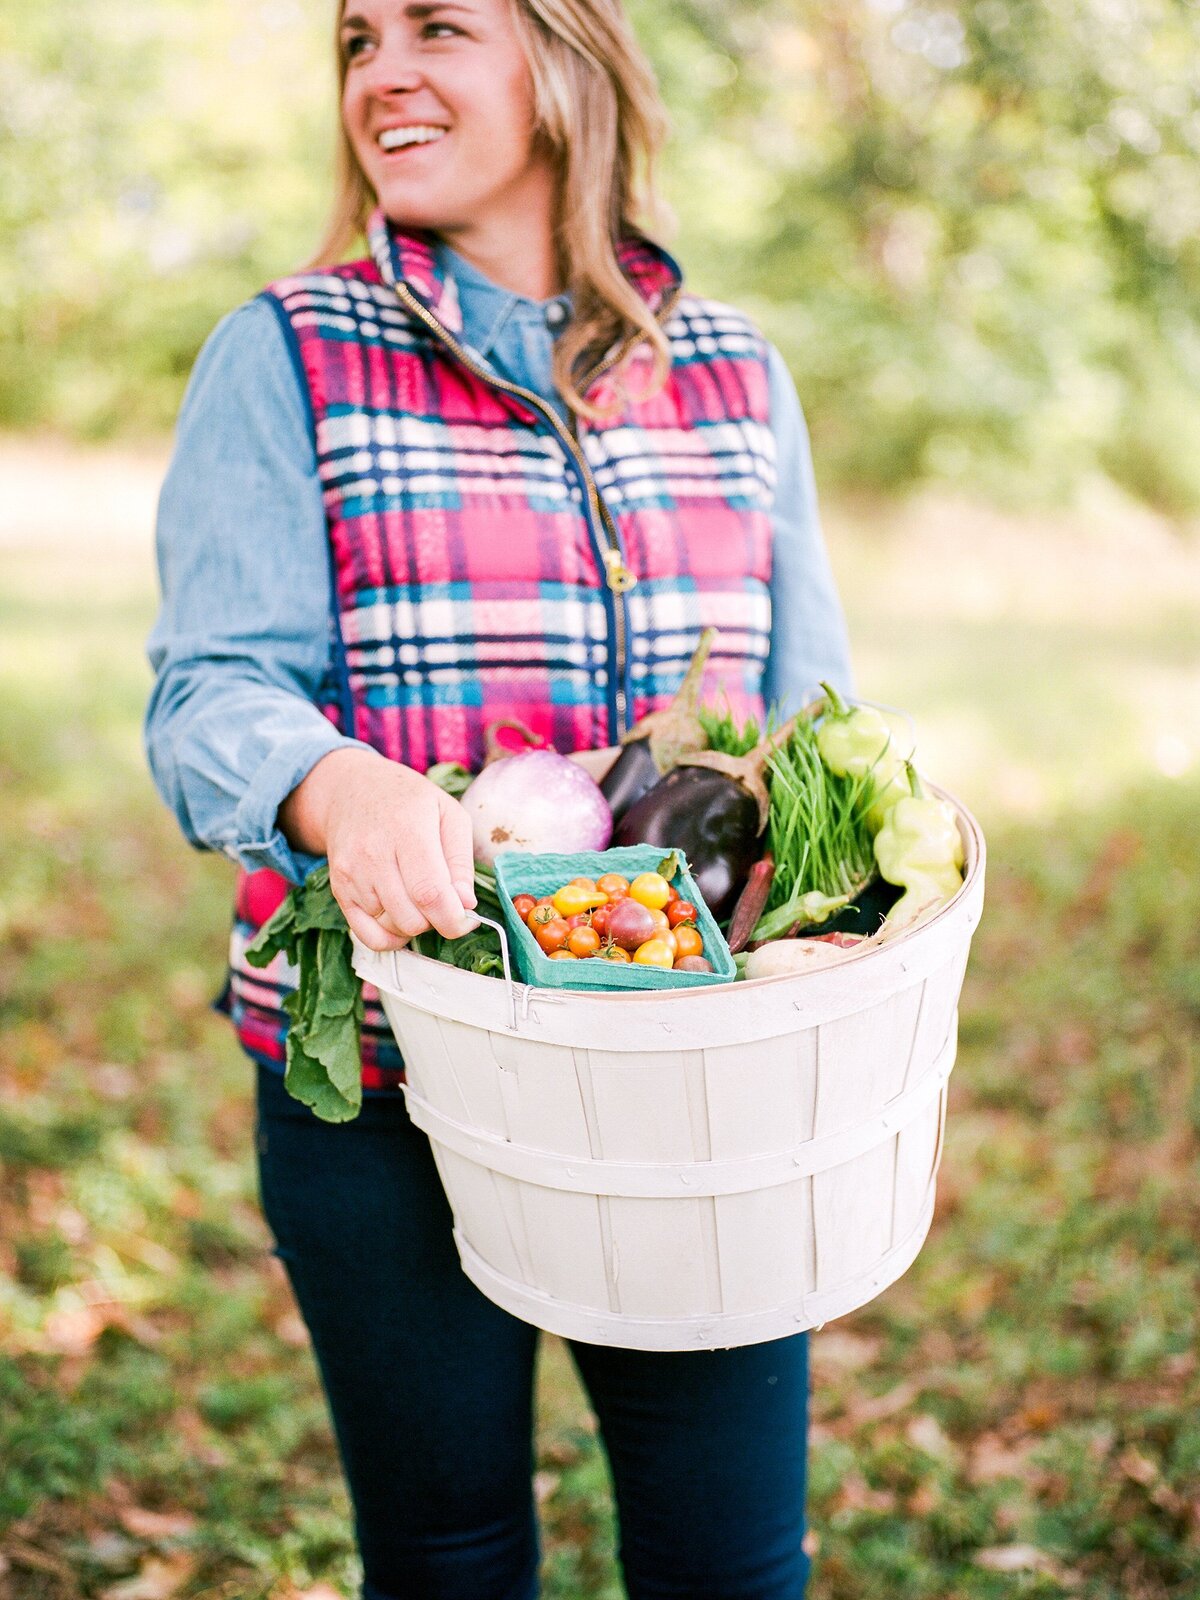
x,y
241,642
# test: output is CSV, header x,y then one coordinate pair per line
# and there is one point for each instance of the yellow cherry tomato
x,y
655,953
652,889
573,898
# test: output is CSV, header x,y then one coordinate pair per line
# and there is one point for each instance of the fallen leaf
x,y
1137,1467
926,1433
23,1554
544,1485
1040,1417
1013,1558
144,1524
925,1500
160,1578
290,1330
885,1405
841,1351
856,1494
991,1459
73,1332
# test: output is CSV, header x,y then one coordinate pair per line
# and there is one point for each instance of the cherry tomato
x,y
573,897
585,883
673,894
581,919
693,964
630,923
563,955
583,941
654,953
661,921
552,935
600,918
650,889
540,916
680,911
523,904
613,952
613,885
687,940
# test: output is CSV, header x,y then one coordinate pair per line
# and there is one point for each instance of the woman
x,y
504,464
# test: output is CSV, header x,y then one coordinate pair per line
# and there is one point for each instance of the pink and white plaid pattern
x,y
466,569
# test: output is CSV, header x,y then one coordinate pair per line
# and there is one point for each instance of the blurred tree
x,y
973,226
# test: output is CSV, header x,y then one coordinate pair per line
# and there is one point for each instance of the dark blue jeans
x,y
431,1391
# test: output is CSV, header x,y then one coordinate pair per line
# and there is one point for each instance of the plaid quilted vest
x,y
488,560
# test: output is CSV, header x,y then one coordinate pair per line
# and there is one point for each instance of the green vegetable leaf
x,y
451,776
277,936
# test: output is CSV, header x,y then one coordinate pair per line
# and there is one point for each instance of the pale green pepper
x,y
857,743
919,848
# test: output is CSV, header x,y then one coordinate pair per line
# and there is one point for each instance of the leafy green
x,y
325,1037
326,1008
477,951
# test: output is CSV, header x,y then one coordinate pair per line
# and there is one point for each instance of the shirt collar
x,y
412,257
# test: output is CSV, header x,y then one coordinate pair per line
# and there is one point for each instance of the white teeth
x,y
397,138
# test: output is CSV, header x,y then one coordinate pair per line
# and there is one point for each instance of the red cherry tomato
x,y
693,964
680,911
672,894
523,904
600,918
552,935
613,885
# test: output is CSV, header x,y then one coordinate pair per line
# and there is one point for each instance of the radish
x,y
534,800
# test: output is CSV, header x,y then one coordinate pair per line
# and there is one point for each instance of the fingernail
x,y
466,894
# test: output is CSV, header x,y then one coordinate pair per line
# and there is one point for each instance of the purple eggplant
x,y
653,745
713,809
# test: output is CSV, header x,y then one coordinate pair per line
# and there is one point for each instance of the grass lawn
x,y
1020,1416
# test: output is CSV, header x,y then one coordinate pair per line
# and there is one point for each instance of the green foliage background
x,y
973,226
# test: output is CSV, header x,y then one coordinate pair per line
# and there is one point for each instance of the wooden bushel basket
x,y
697,1169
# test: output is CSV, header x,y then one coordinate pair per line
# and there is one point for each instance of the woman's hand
x,y
399,848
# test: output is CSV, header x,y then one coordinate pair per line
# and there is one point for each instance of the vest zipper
x,y
618,577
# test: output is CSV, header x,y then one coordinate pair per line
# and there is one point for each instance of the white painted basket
x,y
693,1169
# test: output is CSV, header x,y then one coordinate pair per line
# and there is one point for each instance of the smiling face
x,y
438,107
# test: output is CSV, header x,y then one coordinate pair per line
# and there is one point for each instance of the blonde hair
x,y
597,107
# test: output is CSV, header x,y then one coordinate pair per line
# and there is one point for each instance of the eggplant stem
x,y
677,727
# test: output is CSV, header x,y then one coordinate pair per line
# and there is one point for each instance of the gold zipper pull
x,y
620,578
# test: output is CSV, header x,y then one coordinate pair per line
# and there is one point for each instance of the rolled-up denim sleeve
x,y
243,638
808,628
